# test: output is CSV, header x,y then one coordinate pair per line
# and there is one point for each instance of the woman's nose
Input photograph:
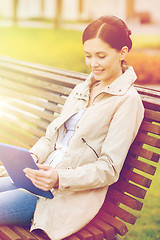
x,y
94,63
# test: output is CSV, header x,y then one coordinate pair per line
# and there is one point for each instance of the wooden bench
x,y
31,96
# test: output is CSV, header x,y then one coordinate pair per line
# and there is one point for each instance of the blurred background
x,y
49,32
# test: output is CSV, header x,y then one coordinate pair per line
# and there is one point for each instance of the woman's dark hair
x,y
111,30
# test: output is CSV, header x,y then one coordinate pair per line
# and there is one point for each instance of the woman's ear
x,y
123,53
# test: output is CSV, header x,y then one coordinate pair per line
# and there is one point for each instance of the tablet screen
x,y
15,159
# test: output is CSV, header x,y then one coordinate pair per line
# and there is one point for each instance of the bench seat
x,y
32,95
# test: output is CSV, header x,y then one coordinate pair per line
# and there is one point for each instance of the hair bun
x,y
129,32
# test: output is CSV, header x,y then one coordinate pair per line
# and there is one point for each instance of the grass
x,y
146,41
59,48
63,48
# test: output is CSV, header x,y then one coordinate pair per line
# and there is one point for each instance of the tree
x,y
130,9
42,5
80,8
57,21
15,7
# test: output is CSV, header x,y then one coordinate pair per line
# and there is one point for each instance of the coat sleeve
x,y
105,171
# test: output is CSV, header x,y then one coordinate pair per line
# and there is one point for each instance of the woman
x,y
84,149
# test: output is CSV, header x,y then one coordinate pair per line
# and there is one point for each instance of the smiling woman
x,y
84,149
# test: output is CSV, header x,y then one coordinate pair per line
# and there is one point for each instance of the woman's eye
x,y
101,56
88,56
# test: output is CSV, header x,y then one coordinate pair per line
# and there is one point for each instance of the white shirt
x,y
56,156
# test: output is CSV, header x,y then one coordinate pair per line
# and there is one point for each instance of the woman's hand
x,y
46,178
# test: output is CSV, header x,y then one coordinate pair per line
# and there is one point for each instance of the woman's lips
x,y
97,72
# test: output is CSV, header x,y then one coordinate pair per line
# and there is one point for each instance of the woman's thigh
x,y
6,184
17,206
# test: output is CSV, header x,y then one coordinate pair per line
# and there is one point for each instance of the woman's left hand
x,y
46,178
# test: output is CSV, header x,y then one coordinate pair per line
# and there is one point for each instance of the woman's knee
x,y
6,184
17,207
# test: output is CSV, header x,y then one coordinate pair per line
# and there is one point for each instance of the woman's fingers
x,y
46,179
44,167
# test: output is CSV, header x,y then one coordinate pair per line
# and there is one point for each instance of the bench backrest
x,y
32,95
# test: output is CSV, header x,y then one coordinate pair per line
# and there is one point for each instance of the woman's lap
x,y
17,206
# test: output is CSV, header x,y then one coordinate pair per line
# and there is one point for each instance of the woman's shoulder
x,y
132,93
131,96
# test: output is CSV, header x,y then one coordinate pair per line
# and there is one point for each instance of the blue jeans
x,y
16,205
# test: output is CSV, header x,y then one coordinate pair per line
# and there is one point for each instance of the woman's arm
x,y
105,171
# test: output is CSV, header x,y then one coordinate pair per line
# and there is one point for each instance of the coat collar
x,y
119,87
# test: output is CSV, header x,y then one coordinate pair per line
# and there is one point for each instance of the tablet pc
x,y
15,159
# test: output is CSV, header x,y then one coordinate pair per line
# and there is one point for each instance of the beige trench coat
x,y
95,155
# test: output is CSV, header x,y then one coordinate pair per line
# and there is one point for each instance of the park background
x,y
49,32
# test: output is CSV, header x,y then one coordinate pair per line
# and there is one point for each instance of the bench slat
x,y
23,233
127,200
128,187
98,235
115,210
150,127
39,234
20,136
152,115
34,73
140,165
8,234
136,178
29,111
7,138
83,234
72,237
147,91
27,128
145,153
147,139
35,101
108,231
25,122
118,225
33,92
36,83
59,71
150,102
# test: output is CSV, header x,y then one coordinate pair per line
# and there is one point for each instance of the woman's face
x,y
104,61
